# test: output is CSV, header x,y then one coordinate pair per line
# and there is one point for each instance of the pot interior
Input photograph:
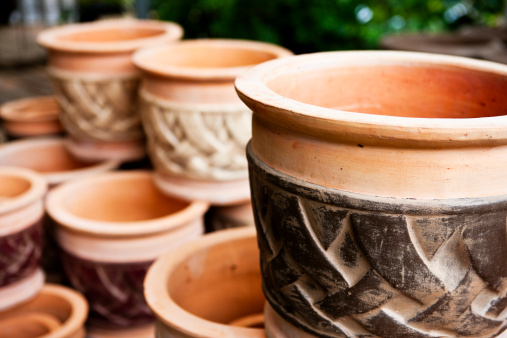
x,y
111,34
127,199
12,186
209,56
36,158
409,90
221,283
30,325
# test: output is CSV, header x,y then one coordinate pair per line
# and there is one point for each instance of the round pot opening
x,y
382,85
124,199
221,283
31,109
111,34
35,157
210,56
12,186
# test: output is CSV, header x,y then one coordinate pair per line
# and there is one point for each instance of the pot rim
x,y
56,177
50,38
160,301
203,73
9,111
37,189
55,208
328,123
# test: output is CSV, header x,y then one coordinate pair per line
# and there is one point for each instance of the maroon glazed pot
x,y
21,211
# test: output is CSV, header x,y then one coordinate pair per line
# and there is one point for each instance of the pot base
x,y
146,331
21,291
215,192
101,151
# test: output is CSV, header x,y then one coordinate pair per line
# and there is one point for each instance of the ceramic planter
x,y
21,211
379,192
110,229
208,288
196,126
96,83
50,158
56,312
33,116
232,216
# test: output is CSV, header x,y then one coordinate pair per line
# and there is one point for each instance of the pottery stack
x,y
380,194
197,128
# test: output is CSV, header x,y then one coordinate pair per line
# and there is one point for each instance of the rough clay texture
x,y
113,290
196,142
98,109
20,254
337,264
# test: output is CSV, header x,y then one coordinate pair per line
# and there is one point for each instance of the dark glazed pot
x,y
380,194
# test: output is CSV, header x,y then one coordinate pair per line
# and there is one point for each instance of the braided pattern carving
x,y
101,108
197,142
338,264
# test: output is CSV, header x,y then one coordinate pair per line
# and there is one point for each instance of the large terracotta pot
x,y
34,116
380,192
96,83
110,229
56,312
209,288
21,211
197,127
50,158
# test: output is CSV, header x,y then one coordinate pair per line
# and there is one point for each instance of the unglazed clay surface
x,y
339,264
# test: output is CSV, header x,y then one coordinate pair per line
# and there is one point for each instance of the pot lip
x,y
36,191
252,89
50,38
79,311
9,111
56,177
203,73
160,301
55,208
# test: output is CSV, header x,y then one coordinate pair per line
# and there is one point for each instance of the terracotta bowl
x,y
96,83
197,128
33,116
110,229
56,312
209,288
380,192
21,211
49,157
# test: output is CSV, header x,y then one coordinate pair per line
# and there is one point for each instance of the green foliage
x,y
319,25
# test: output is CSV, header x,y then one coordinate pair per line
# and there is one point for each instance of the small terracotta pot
x,y
380,192
232,216
21,211
96,83
56,312
208,288
197,128
33,116
50,158
110,228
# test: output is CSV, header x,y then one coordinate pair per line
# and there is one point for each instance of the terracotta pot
x,y
110,229
96,83
62,166
34,116
197,127
21,211
232,216
208,288
380,193
56,312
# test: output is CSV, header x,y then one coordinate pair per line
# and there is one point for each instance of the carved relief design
x,y
101,108
20,254
113,290
338,264
197,141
